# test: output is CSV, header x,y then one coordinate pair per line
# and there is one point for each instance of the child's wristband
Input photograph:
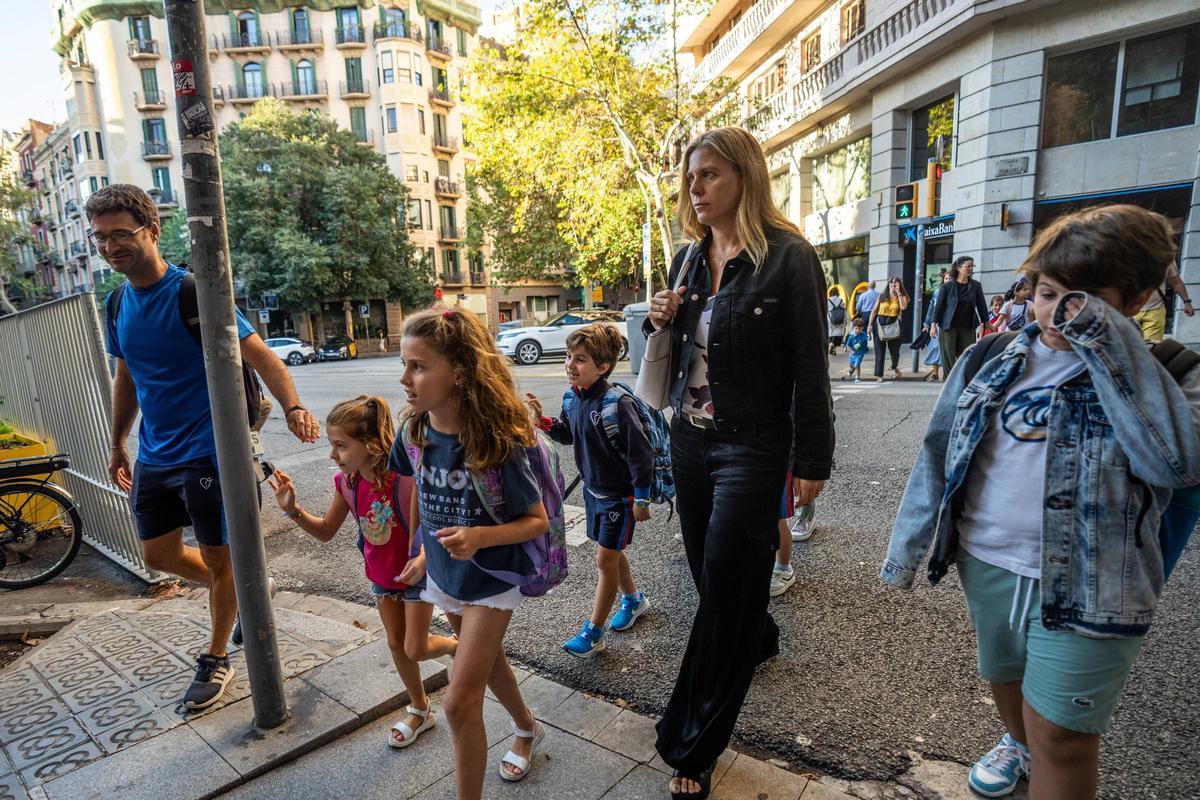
x,y
639,503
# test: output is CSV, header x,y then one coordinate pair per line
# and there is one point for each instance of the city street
x,y
866,674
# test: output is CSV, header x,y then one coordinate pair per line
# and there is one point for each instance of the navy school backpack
x,y
1183,513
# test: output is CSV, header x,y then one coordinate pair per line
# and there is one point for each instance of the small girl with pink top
x,y
360,435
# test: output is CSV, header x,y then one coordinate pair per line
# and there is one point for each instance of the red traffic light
x,y
438,293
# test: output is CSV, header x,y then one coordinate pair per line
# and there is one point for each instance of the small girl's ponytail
x,y
367,419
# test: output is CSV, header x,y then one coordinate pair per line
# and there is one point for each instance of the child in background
x,y
783,576
856,346
1017,311
1061,561
616,482
995,317
464,420
360,435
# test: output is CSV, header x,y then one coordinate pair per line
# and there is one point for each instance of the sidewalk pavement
x,y
93,713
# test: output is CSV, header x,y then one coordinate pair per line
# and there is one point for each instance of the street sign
x,y
364,310
264,315
271,300
597,294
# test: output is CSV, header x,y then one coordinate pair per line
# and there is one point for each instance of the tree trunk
x,y
6,305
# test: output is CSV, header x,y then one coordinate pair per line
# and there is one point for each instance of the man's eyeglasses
x,y
116,237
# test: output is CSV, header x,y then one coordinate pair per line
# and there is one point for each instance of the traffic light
x,y
906,202
933,188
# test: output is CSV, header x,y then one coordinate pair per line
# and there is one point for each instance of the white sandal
x,y
520,762
427,721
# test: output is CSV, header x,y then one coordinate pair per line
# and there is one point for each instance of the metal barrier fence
x,y
56,386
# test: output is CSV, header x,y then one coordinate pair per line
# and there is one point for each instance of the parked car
x,y
337,347
528,345
293,351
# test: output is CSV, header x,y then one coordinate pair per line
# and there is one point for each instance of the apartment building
x,y
1031,109
389,72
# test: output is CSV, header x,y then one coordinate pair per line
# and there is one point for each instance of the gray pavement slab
x,y
748,777
365,680
581,715
629,734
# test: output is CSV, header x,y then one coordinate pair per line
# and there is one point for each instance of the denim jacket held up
x,y
1120,437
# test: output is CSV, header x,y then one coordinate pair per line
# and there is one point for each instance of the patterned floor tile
x,y
112,713
169,692
48,665
29,719
80,676
135,731
17,678
61,763
99,628
154,671
46,743
126,659
32,694
99,691
121,643
11,788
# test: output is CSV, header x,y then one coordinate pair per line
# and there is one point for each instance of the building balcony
x,y
397,30
445,144
441,97
452,279
444,187
156,151
37,216
54,260
71,208
354,90
65,171
903,33
163,199
240,95
757,33
218,96
303,90
478,279
150,101
450,233
214,45
437,47
366,138
313,40
246,43
77,249
143,49
351,36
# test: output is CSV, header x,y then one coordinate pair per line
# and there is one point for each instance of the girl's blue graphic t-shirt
x,y
447,499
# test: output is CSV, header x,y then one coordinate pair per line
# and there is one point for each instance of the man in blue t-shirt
x,y
160,369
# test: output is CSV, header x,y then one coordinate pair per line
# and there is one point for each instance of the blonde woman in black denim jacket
x,y
750,383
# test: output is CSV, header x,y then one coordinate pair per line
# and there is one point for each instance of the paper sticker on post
x,y
196,119
185,78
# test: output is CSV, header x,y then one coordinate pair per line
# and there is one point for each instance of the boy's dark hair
x,y
857,322
601,342
1122,247
123,197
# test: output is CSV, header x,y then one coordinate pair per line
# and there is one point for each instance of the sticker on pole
x,y
185,78
196,119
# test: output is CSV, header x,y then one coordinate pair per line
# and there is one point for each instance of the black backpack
x,y
189,313
837,314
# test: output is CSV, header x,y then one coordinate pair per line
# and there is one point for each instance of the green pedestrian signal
x,y
906,201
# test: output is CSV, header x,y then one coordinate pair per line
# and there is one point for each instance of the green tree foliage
x,y
576,128
314,215
14,234
174,241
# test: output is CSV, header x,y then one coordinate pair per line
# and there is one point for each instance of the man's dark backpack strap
x,y
984,351
1177,359
112,304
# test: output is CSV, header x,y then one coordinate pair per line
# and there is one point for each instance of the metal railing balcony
x,y
450,233
354,87
300,39
441,96
351,34
445,186
478,279
146,100
443,142
78,249
255,40
249,93
143,48
439,46
156,149
71,207
397,30
302,89
452,279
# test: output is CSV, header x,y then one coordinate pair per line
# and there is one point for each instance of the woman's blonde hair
x,y
493,418
368,420
756,212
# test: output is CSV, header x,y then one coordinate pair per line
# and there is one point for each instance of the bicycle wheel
x,y
40,533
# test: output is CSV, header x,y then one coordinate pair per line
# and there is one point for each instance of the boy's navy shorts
x,y
166,498
609,520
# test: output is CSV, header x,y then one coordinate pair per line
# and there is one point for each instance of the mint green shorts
x,y
1071,680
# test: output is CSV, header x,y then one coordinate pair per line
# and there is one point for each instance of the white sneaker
x,y
782,578
802,526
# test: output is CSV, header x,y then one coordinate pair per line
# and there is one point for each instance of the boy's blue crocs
x,y
586,643
632,607
998,773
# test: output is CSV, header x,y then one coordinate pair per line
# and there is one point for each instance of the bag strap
x,y
189,306
685,269
349,489
1177,359
987,348
113,302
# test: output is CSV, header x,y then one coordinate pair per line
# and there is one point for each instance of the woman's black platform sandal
x,y
704,779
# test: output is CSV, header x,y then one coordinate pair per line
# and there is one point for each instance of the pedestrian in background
x,y
837,321
754,293
1152,318
1061,583
884,324
933,350
959,310
866,301
856,346
1017,311
994,319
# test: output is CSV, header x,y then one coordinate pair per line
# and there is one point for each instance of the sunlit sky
x,y
29,68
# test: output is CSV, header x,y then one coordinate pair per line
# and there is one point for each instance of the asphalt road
x,y
866,673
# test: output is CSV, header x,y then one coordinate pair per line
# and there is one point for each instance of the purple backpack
x,y
547,553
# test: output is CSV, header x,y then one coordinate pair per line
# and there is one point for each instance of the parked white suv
x,y
293,351
528,345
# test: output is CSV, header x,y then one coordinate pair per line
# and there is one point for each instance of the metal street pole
x,y
222,358
919,291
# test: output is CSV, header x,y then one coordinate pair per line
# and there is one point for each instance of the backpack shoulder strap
x,y
489,491
609,416
349,490
113,302
189,306
1177,359
987,348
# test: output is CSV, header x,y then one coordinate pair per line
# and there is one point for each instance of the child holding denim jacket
x,y
1077,413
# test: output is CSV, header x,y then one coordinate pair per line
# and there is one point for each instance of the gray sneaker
x,y
782,579
802,526
236,637
213,675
